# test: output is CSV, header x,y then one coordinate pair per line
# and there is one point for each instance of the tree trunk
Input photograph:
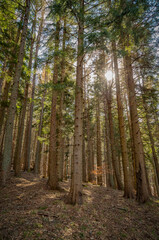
x,y
109,173
2,78
61,123
128,191
84,160
131,146
89,145
45,158
76,182
38,146
12,107
4,105
53,171
30,119
66,159
142,194
112,140
15,128
84,166
155,159
18,150
99,154
4,98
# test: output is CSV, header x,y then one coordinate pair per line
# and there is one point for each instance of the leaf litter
x,y
28,210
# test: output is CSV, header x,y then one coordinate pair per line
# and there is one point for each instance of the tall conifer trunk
x,y
2,78
39,144
112,140
61,124
18,149
4,103
12,108
99,153
132,166
30,118
53,170
155,158
75,196
109,173
84,158
142,194
89,146
128,191
4,97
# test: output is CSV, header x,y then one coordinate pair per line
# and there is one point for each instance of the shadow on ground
x,y
28,210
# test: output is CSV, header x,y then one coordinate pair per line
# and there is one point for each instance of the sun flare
x,y
109,75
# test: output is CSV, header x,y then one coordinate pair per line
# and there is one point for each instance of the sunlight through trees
x,y
79,94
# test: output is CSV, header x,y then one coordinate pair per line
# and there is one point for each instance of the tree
x,y
12,108
141,181
128,191
75,196
30,119
53,174
18,148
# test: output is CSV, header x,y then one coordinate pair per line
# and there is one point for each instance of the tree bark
x,y
155,158
38,146
89,145
99,153
2,78
18,149
12,107
4,97
61,123
45,160
30,119
4,105
128,191
112,140
53,170
142,194
109,173
75,195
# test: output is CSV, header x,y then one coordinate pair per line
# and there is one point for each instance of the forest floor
x,y
28,210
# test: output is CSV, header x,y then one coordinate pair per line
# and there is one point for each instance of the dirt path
x,y
28,210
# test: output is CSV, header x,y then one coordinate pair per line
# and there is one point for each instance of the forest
x,y
79,119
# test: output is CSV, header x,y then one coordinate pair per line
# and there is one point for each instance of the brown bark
x,y
18,150
25,163
112,140
142,194
66,159
109,173
2,78
16,123
84,166
53,171
155,158
128,191
4,105
45,161
39,144
99,153
30,119
75,195
61,123
12,107
132,162
89,147
4,97
84,159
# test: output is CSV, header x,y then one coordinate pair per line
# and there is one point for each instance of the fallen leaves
x,y
30,211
